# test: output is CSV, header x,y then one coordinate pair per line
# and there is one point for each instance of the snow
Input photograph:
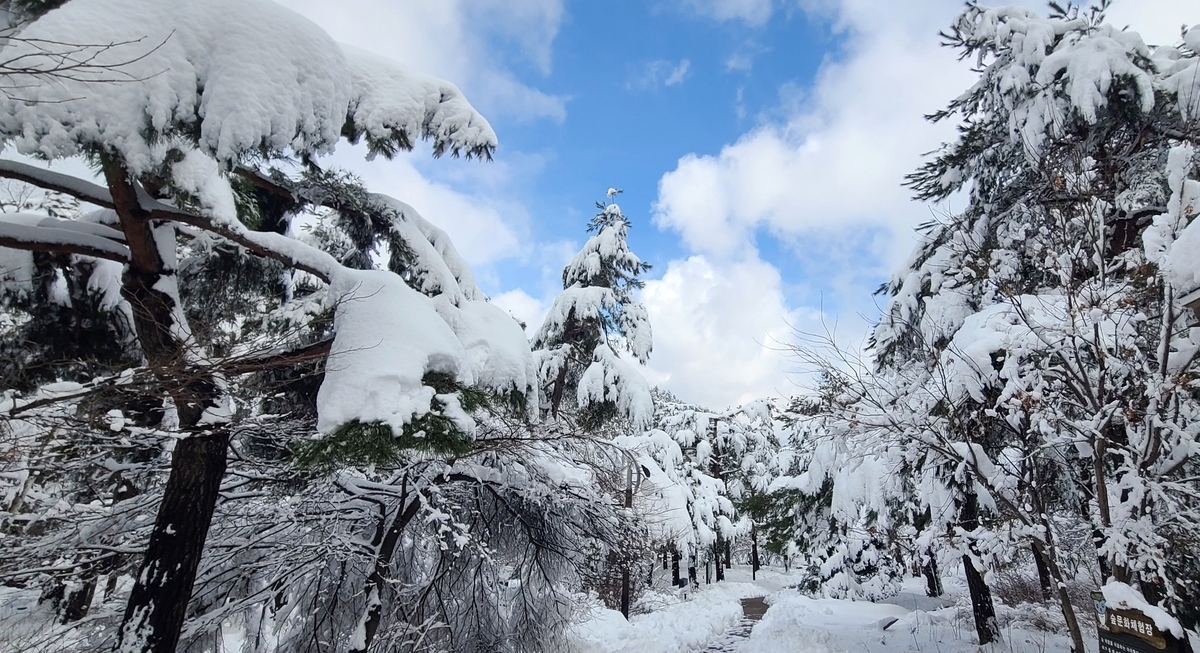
x,y
701,619
1121,596
37,229
496,351
798,623
1090,65
581,303
684,626
249,74
609,378
387,337
16,270
438,268
393,104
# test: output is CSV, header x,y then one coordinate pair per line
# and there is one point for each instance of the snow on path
x,y
711,620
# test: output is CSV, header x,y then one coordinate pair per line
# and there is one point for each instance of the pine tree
x,y
196,207
1037,329
593,321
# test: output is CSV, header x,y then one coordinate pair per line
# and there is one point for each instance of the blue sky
x,y
761,145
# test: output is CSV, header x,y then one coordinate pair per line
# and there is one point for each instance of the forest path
x,y
753,609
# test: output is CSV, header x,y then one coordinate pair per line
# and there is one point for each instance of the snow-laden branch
x,y
44,234
247,76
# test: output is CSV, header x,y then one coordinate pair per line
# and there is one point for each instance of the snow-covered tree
x,y
1044,343
190,138
594,320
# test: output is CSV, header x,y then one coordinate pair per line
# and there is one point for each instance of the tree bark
x,y
754,560
986,626
1039,558
157,604
675,580
625,589
982,607
933,580
718,549
556,393
377,581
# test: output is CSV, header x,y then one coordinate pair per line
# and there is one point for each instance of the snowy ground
x,y
797,623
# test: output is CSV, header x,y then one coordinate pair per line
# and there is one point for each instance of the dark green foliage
x,y
597,414
359,444
74,340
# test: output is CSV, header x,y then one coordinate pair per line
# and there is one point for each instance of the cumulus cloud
x,y
486,224
822,174
835,162
660,72
715,326
527,310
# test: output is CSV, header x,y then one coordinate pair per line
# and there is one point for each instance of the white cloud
x,y
822,172
518,303
837,160
715,324
1158,21
456,40
752,12
739,61
485,225
660,72
679,73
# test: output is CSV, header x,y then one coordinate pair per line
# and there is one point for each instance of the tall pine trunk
x,y
157,605
982,607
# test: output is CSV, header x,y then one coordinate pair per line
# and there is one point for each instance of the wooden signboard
x,y
1131,631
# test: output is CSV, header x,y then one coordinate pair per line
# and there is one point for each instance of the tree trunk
x,y
556,393
158,603
675,580
754,560
377,581
933,580
625,593
1049,554
79,601
718,548
625,590
728,555
1039,558
984,611
986,626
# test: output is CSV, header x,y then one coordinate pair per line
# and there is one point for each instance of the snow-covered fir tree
x,y
1040,328
592,322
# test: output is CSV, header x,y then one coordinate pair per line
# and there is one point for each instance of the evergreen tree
x,y
593,321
